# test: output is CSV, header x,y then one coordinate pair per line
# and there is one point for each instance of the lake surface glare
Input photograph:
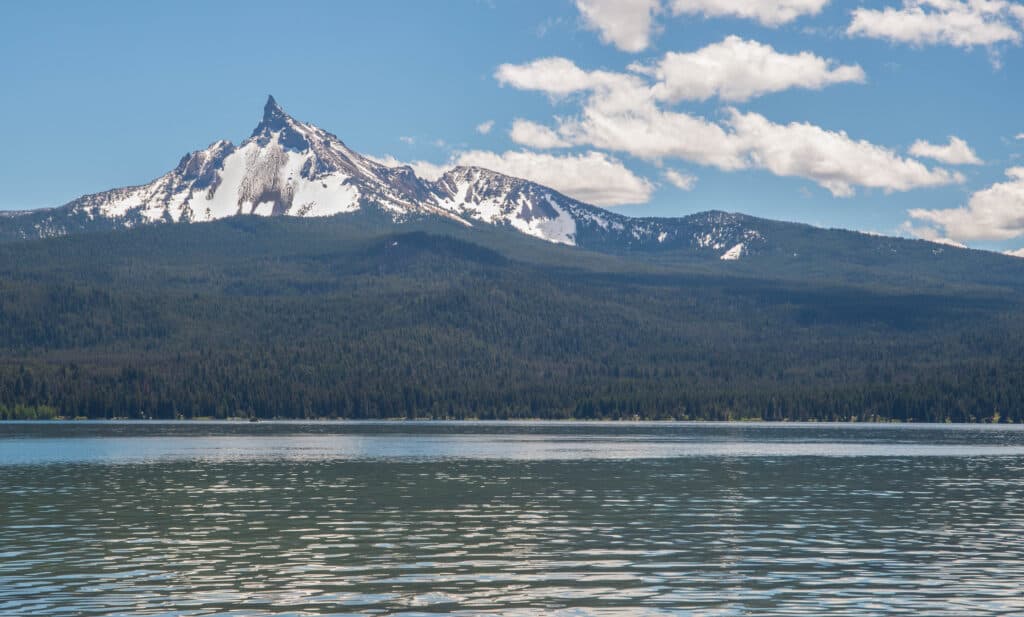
x,y
342,518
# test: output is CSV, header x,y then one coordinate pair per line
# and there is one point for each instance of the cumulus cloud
x,y
555,76
625,112
830,158
653,134
767,12
630,24
738,70
682,181
485,127
993,213
960,23
627,24
535,135
956,152
1015,253
559,77
930,234
591,177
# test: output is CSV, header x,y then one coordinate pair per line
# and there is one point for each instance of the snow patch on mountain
x,y
734,254
482,195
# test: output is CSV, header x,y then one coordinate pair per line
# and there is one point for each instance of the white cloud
x,y
485,127
930,234
960,23
993,213
767,12
557,77
407,140
630,24
622,112
653,134
682,181
591,177
627,24
535,135
956,152
737,70
1020,136
1015,253
830,158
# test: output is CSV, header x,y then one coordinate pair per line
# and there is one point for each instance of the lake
x,y
340,518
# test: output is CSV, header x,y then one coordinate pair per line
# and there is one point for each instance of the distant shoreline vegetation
x,y
30,412
44,413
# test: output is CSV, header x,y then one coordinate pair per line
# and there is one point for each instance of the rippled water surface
x,y
519,518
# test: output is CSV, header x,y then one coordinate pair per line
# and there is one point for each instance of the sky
x,y
899,117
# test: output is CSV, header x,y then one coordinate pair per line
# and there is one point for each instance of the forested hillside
x,y
356,318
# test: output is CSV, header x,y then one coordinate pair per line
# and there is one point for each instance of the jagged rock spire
x,y
275,120
272,112
274,117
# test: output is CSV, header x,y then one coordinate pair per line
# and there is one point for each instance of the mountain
x,y
292,168
288,167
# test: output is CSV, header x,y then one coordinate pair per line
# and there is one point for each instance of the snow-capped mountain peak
x,y
293,168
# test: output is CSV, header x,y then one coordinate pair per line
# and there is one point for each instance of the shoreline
x,y
456,421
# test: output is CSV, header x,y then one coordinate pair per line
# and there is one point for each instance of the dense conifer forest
x,y
281,318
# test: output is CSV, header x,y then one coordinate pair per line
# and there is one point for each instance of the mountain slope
x,y
353,317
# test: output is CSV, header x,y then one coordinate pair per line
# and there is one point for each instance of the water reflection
x,y
572,520
121,442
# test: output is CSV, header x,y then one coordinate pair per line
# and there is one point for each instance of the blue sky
x,y
802,110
